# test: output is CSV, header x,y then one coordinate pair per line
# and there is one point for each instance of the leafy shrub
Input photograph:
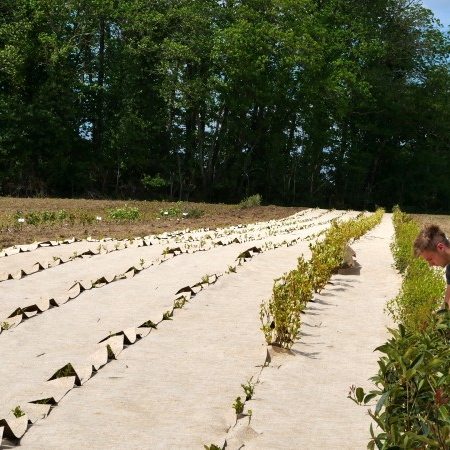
x,y
125,214
413,389
406,230
33,218
421,293
154,182
194,213
172,212
251,202
48,216
423,287
280,316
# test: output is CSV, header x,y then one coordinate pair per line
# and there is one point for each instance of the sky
x,y
440,8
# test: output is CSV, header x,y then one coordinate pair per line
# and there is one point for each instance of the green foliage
x,y
249,388
125,214
251,202
423,287
17,411
110,352
4,326
412,388
406,230
154,182
212,447
238,406
208,97
280,316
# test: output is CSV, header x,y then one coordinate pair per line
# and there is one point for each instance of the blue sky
x,y
440,8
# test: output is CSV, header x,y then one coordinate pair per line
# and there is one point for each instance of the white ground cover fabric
x,y
175,387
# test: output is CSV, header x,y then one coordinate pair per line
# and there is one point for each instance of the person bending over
x,y
433,246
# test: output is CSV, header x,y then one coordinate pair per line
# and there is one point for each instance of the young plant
x,y
249,388
17,411
412,391
238,406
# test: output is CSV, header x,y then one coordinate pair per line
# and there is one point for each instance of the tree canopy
x,y
337,103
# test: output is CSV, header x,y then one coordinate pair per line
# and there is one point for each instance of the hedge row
x,y
423,286
413,381
280,316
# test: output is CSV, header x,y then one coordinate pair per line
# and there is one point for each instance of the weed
x,y
212,447
5,326
142,262
167,315
231,269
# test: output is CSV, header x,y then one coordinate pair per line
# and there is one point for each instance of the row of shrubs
x,y
412,392
280,316
423,286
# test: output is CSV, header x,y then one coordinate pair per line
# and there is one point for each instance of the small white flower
x,y
21,220
99,218
185,214
166,213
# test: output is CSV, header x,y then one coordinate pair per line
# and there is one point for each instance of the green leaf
x,y
381,401
359,394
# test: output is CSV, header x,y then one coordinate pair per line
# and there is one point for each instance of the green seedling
x,y
167,315
179,302
149,324
111,354
5,326
212,447
205,279
231,269
17,411
249,388
238,405
142,262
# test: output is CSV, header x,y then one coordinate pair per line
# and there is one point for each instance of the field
x,y
78,218
155,342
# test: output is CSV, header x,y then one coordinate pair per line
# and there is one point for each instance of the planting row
x,y
67,369
412,386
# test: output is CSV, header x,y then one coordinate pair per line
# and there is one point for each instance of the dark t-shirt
x,y
447,273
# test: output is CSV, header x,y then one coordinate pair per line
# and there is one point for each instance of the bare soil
x,y
152,220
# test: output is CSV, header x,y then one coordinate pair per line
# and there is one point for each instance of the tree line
x,y
338,103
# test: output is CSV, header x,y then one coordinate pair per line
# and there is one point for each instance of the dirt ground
x,y
152,220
